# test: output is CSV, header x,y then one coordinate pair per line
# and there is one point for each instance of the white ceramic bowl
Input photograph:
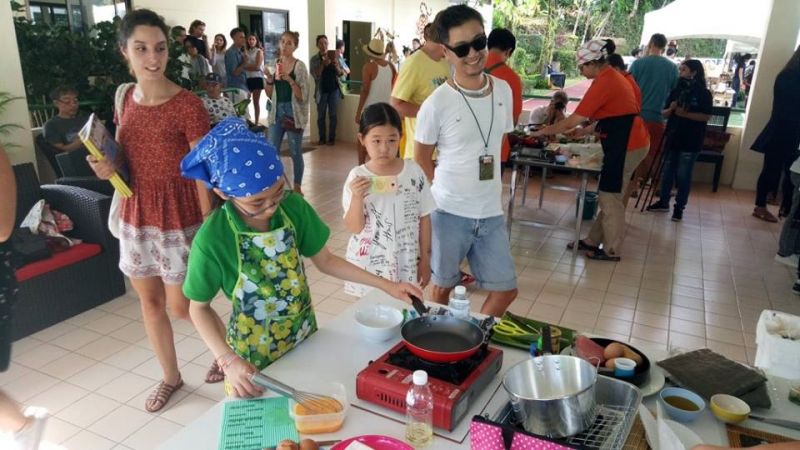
x,y
379,323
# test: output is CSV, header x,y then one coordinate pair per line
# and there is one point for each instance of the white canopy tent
x,y
742,21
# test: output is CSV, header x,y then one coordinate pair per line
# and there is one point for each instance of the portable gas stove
x,y
386,380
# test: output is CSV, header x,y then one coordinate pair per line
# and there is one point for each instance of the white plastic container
x,y
459,303
419,411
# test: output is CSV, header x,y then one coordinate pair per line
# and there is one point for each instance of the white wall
x,y
221,16
777,46
399,16
11,81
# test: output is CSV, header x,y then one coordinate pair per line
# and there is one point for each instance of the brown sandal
x,y
764,214
161,395
215,374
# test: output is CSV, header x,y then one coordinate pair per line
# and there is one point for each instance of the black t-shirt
x,y
199,44
329,80
686,135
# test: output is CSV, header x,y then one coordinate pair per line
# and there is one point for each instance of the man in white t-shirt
x,y
465,119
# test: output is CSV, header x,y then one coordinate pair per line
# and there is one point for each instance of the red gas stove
x,y
454,385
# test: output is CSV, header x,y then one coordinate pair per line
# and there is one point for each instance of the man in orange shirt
x,y
501,46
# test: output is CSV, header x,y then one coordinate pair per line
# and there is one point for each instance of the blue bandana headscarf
x,y
234,160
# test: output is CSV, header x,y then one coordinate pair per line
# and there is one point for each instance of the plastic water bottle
x,y
419,411
459,303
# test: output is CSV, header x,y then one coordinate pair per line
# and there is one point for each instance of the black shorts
x,y
254,84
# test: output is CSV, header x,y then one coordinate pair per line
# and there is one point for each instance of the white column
x,y
777,46
11,81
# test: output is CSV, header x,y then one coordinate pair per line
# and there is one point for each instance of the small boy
x,y
219,107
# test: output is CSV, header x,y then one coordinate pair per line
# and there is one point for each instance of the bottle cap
x,y
461,290
420,377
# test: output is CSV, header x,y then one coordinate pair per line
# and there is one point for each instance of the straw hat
x,y
374,48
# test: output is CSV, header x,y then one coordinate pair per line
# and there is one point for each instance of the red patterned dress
x,y
160,220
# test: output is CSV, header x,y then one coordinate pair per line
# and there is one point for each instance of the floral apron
x,y
272,310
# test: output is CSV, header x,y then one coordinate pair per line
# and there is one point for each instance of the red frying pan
x,y
440,338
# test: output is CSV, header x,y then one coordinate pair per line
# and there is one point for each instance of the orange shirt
x,y
508,75
610,95
636,91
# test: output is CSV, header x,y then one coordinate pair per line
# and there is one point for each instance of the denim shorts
x,y
484,242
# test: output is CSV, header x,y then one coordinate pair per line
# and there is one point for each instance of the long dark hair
x,y
699,72
224,42
379,114
793,64
136,18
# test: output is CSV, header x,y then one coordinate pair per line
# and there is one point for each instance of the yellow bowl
x,y
728,408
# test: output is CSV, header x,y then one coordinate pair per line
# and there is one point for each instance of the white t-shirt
x,y
445,120
539,115
219,109
388,246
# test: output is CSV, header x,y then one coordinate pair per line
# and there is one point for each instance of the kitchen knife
x,y
779,422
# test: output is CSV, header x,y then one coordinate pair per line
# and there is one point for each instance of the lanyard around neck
x,y
474,116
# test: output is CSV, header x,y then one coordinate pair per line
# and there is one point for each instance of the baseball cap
x,y
213,78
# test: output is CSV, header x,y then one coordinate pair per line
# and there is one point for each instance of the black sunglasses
x,y
478,44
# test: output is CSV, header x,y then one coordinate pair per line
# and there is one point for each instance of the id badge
x,y
486,167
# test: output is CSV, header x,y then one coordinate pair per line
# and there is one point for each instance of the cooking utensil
x,y
552,395
314,403
778,422
510,328
440,338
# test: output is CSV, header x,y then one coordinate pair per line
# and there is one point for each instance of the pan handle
x,y
420,307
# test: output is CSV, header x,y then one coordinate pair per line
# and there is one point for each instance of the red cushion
x,y
65,258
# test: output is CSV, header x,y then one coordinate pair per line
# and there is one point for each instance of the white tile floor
x,y
702,282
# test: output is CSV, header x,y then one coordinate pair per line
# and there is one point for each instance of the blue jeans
x,y
677,170
328,101
276,133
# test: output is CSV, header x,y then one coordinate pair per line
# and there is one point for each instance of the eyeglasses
x,y
69,101
477,44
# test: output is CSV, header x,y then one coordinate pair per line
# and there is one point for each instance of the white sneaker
x,y
790,260
30,437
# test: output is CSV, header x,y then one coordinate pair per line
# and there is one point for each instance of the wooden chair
x,y
716,138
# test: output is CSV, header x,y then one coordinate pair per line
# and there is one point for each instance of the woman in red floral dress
x,y
159,123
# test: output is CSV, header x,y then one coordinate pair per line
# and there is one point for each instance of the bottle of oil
x,y
419,411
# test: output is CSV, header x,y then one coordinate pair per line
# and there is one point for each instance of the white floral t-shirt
x,y
388,246
219,109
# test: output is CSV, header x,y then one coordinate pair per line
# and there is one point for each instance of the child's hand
x,y
360,186
103,169
424,272
403,290
238,375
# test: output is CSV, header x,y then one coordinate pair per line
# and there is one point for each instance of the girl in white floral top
x,y
387,203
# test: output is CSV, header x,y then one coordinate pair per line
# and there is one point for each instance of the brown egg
x,y
610,364
630,354
613,350
287,445
308,444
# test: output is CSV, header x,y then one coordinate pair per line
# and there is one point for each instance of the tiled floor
x,y
702,282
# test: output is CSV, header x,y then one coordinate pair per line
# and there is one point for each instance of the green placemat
x,y
259,423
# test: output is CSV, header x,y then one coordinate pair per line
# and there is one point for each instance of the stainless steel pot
x,y
552,395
